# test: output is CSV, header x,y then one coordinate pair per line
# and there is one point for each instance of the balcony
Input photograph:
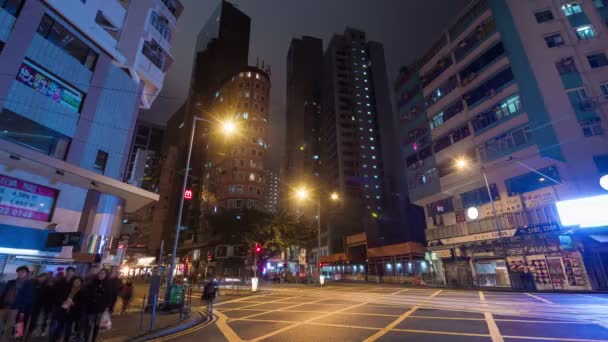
x,y
174,7
463,22
442,65
481,33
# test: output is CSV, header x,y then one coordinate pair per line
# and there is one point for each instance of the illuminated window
x,y
252,176
585,32
571,8
249,74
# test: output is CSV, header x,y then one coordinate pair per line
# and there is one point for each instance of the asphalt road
x,y
366,312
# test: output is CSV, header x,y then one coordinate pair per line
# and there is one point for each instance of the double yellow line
x,y
195,328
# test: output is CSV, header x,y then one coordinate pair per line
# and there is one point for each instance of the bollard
x,y
141,315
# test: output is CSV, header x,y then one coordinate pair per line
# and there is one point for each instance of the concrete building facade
x,y
69,94
516,91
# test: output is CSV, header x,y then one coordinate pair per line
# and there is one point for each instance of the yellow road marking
x,y
304,322
187,331
435,294
441,332
533,321
540,298
341,326
371,290
225,329
482,297
252,305
391,326
493,328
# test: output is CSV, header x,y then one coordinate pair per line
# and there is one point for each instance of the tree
x,y
285,230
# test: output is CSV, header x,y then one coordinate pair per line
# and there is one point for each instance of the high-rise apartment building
x,y
303,110
143,169
75,75
513,92
273,203
355,102
235,170
222,50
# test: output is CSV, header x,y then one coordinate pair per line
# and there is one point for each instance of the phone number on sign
x,y
16,212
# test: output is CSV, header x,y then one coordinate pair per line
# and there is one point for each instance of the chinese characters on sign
x,y
32,76
539,198
27,200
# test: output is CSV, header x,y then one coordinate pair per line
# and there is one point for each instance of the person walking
x,y
42,296
15,300
98,301
71,309
209,296
114,287
126,294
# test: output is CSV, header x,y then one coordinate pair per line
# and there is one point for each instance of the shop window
x,y
13,7
597,60
572,8
532,181
585,32
101,161
60,36
543,16
23,131
554,40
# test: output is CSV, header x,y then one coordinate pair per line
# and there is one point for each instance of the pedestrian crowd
x,y
63,307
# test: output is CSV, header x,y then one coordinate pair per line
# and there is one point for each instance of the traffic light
x,y
209,257
258,249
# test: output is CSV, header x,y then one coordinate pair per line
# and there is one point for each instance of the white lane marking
x,y
394,293
540,298
589,296
493,328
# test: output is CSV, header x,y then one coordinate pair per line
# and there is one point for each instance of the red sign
x,y
27,200
188,194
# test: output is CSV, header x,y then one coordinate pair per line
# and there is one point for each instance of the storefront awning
x,y
16,156
407,248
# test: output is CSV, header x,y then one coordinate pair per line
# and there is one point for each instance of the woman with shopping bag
x,y
71,308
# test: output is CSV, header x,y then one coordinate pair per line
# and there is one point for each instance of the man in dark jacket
x,y
15,299
98,300
42,293
114,286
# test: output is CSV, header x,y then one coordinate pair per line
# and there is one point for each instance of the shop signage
x,y
478,237
24,199
506,205
64,239
443,253
39,80
538,228
539,198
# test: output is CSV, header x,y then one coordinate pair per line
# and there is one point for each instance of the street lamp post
x,y
303,194
228,128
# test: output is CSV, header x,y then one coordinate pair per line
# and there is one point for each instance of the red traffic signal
x,y
209,257
188,194
258,249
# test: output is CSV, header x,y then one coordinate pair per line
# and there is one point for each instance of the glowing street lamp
x,y
228,127
472,213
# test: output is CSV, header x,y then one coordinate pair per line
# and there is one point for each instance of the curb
x,y
201,320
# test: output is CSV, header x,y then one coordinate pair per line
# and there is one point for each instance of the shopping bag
x,y
106,321
19,326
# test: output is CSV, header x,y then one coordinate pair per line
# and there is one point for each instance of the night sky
x,y
406,28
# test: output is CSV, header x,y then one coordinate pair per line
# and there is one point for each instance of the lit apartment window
x,y
597,60
554,40
572,8
249,74
585,32
252,177
544,15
